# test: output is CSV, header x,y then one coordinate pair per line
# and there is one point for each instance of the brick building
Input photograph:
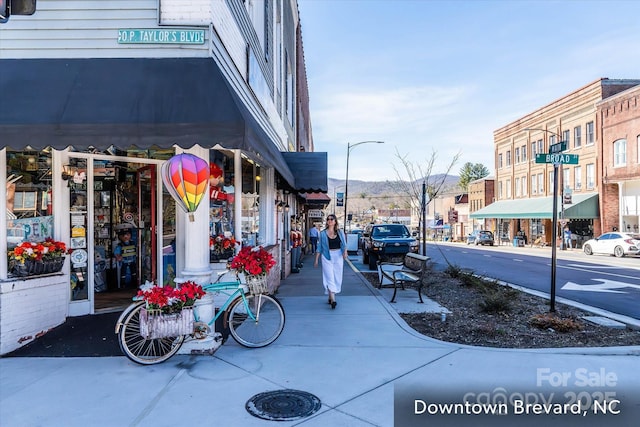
x,y
619,119
525,188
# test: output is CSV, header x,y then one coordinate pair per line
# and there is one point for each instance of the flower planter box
x,y
33,268
154,324
215,256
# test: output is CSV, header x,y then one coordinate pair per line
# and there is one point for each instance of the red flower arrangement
x,y
253,261
222,243
169,299
49,249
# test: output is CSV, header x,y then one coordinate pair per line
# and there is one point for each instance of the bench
x,y
409,272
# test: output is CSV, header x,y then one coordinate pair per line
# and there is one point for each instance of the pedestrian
x,y
567,237
333,249
314,233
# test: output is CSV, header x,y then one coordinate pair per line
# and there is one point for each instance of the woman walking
x,y
333,249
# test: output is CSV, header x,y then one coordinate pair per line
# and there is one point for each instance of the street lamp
x,y
554,233
346,181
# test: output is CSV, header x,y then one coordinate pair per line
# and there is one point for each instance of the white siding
x,y
186,12
89,29
31,307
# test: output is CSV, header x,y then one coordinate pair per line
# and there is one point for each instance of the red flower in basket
x,y
169,299
253,261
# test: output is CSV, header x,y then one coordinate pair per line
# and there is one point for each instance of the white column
x,y
193,237
192,246
237,185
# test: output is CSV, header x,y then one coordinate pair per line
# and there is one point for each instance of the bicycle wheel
x,y
267,326
141,350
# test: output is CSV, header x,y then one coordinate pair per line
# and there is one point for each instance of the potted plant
x,y
255,263
32,258
168,310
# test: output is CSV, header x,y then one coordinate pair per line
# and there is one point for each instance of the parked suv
x,y
386,242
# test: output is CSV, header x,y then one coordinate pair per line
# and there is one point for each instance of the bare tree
x,y
411,177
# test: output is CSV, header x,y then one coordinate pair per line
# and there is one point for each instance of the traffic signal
x,y
4,10
453,216
349,217
16,7
22,7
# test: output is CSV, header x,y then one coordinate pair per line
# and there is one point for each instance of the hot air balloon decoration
x,y
186,177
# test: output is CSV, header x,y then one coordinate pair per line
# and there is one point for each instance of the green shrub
x,y
496,302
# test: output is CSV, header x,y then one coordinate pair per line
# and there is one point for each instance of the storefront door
x,y
113,232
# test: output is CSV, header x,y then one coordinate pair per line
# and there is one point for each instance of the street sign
x,y
558,148
160,36
568,159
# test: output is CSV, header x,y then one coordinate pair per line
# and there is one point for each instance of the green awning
x,y
583,206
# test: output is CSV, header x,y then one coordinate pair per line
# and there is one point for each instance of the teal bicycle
x,y
255,319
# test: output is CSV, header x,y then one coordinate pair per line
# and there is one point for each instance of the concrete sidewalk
x,y
355,359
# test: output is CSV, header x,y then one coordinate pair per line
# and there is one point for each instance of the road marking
x,y
589,266
603,273
517,260
605,286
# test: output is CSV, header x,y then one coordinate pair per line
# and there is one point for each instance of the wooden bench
x,y
409,272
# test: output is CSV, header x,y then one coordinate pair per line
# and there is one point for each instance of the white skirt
x,y
332,271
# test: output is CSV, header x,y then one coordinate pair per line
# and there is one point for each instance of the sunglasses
x,y
332,219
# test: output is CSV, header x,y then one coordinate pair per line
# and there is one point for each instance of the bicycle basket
x,y
257,284
154,324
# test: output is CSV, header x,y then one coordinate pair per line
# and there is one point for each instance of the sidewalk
x,y
355,359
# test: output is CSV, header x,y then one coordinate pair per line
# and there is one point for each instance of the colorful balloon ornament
x,y
186,177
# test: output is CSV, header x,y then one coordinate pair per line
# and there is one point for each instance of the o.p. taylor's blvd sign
x,y
160,36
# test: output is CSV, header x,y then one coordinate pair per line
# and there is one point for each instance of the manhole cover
x,y
283,405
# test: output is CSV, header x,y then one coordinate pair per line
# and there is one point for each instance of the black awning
x,y
309,170
125,102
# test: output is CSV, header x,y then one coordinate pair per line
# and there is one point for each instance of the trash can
x,y
518,242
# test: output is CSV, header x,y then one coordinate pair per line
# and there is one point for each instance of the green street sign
x,y
567,159
160,36
558,148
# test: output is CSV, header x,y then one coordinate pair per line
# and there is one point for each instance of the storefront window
x,y
29,202
221,207
251,204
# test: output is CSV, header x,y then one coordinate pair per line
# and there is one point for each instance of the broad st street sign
x,y
567,159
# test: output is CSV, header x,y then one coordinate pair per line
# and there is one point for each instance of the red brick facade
x,y
619,121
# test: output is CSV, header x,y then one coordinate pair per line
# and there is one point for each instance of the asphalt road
x,y
599,281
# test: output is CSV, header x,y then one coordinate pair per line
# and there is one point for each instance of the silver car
x,y
614,243
480,237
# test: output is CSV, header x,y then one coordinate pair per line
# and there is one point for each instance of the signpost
x,y
556,157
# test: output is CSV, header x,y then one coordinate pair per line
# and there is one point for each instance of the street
x,y
604,282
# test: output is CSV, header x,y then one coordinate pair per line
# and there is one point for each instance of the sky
x,y
428,76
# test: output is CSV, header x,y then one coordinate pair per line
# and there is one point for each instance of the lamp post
x,y
554,233
346,181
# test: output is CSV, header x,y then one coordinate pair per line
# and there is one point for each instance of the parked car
x,y
614,243
480,237
386,242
